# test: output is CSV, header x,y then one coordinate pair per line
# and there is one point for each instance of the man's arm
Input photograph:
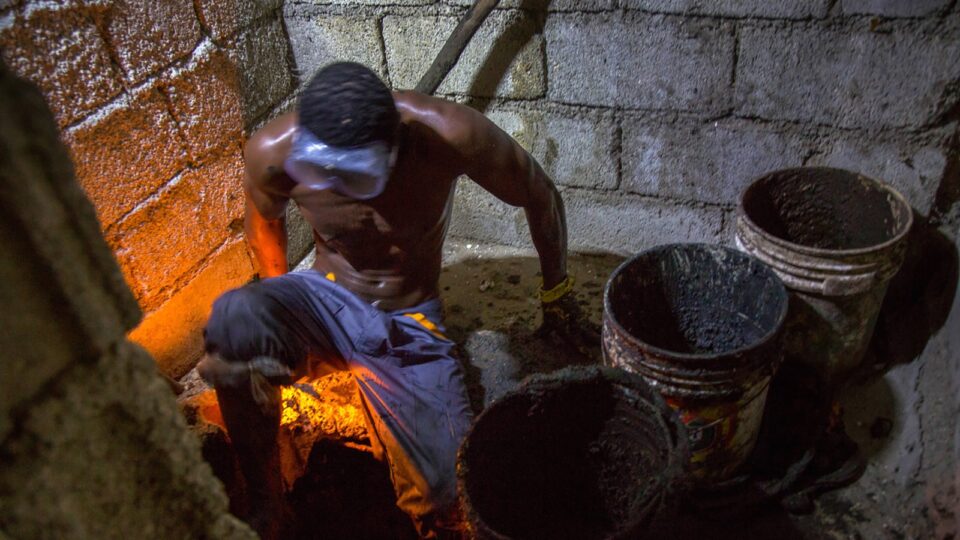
x,y
496,162
500,165
267,190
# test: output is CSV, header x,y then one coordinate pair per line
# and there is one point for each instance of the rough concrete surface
x,y
127,134
153,254
173,332
833,75
60,50
709,162
318,41
798,9
684,65
505,58
146,36
574,149
93,445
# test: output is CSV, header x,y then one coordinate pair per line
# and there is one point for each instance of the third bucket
x,y
835,238
701,324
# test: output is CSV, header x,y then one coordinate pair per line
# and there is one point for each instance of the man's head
x,y
346,138
347,105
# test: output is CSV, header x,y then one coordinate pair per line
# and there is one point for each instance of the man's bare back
x,y
388,249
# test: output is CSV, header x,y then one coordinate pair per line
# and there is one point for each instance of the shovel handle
x,y
456,43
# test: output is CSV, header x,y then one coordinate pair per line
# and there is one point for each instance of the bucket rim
x,y
670,482
696,357
815,251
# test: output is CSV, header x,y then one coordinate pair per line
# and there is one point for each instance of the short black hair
x,y
346,104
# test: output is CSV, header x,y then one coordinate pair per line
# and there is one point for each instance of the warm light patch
x,y
325,407
316,404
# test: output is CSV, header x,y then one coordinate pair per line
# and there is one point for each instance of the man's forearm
x,y
268,240
548,228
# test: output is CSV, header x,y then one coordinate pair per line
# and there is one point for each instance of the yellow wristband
x,y
557,292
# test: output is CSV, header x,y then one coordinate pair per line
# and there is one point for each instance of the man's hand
x,y
564,320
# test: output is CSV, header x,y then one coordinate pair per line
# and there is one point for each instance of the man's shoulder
x,y
267,149
450,120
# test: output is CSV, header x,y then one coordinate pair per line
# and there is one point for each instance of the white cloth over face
x,y
360,172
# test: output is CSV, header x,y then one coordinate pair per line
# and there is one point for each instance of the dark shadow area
x,y
579,453
346,494
948,192
495,66
918,299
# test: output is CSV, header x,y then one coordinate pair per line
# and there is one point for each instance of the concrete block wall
x,y
154,101
653,115
94,445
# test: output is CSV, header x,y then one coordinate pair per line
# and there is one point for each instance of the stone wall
x,y
92,441
154,100
653,115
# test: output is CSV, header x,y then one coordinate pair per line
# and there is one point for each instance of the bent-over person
x,y
373,173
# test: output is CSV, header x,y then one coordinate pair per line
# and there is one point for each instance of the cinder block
x,y
223,19
504,58
549,5
206,101
173,334
147,36
915,170
645,62
893,8
709,162
613,223
59,49
261,56
351,3
319,40
796,9
859,79
126,152
160,241
576,150
478,215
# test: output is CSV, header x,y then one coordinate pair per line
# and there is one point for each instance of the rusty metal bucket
x,y
835,238
701,324
584,452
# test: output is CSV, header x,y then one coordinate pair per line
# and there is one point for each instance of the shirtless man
x,y
373,172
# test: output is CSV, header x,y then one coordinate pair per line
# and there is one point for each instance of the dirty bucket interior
x,y
826,208
696,299
571,457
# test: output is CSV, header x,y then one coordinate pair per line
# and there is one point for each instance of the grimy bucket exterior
x,y
584,452
701,324
835,238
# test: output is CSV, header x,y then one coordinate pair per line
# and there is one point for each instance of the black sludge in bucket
x,y
584,452
701,324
